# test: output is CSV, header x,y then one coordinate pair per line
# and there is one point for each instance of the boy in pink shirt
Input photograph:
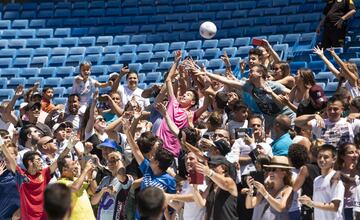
x,y
178,110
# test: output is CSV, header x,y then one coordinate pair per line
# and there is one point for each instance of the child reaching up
x,y
84,85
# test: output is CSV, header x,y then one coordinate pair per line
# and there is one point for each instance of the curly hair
x,y
298,155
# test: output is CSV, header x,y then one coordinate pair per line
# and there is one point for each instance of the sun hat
x,y
279,162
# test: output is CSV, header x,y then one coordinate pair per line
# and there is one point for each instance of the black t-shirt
x,y
221,205
307,109
340,8
308,186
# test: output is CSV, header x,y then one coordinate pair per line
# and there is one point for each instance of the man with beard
x,y
28,139
73,114
32,181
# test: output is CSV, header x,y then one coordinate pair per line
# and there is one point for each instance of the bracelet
x,y
211,174
310,204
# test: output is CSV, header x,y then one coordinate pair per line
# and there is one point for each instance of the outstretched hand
x,y
161,108
319,51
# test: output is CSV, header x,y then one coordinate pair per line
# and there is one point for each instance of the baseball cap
x,y
31,105
218,160
317,94
36,94
109,143
223,146
57,126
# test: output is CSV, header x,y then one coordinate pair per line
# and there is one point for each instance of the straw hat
x,y
279,162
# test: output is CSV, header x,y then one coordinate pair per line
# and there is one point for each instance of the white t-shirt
x,y
354,91
7,126
324,193
231,125
85,91
75,120
334,133
356,205
191,210
127,94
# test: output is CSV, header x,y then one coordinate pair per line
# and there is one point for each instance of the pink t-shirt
x,y
179,117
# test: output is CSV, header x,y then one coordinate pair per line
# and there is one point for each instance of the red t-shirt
x,y
31,189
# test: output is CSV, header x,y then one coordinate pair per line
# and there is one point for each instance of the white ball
x,y
207,30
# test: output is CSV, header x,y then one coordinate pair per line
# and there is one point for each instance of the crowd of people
x,y
255,143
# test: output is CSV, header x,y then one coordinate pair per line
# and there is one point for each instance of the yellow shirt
x,y
81,206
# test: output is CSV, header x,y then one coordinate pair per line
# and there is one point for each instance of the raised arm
x,y
90,123
103,85
222,79
117,109
330,66
10,106
345,70
300,179
70,145
125,70
203,108
139,157
172,73
170,123
77,184
304,121
9,158
271,51
225,183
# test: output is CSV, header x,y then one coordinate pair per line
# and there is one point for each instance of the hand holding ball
x,y
207,30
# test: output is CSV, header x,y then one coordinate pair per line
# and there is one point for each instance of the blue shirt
x,y
163,181
9,195
280,146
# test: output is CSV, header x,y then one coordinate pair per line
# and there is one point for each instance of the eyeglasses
x,y
113,161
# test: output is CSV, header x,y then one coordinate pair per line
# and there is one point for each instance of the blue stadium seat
x,y
144,57
7,53
144,48
25,52
196,54
114,68
9,34
63,72
104,41
131,29
160,56
125,58
39,61
164,66
242,41
111,49
86,41
136,67
32,80
39,52
59,51
302,28
243,51
98,70
3,82
29,72
54,23
11,15
51,42
14,82
93,50
294,66
202,62
209,44
21,62
211,53
275,39
93,58
282,51
52,82
195,44
37,23
130,48
227,42
34,43
171,37
306,41
79,13
324,77
59,92
20,24
47,72
69,42
10,72
149,67
138,39
230,51
178,46
291,39
5,24
60,101
63,5
74,60
330,88
82,5
57,61
153,77
356,61
5,62
148,28
161,47
103,78
3,44
109,59
6,94
27,33
77,51
215,64
62,32
78,32
317,66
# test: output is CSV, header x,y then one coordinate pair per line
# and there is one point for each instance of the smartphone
x,y
258,176
126,65
102,98
258,42
253,155
240,132
196,177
